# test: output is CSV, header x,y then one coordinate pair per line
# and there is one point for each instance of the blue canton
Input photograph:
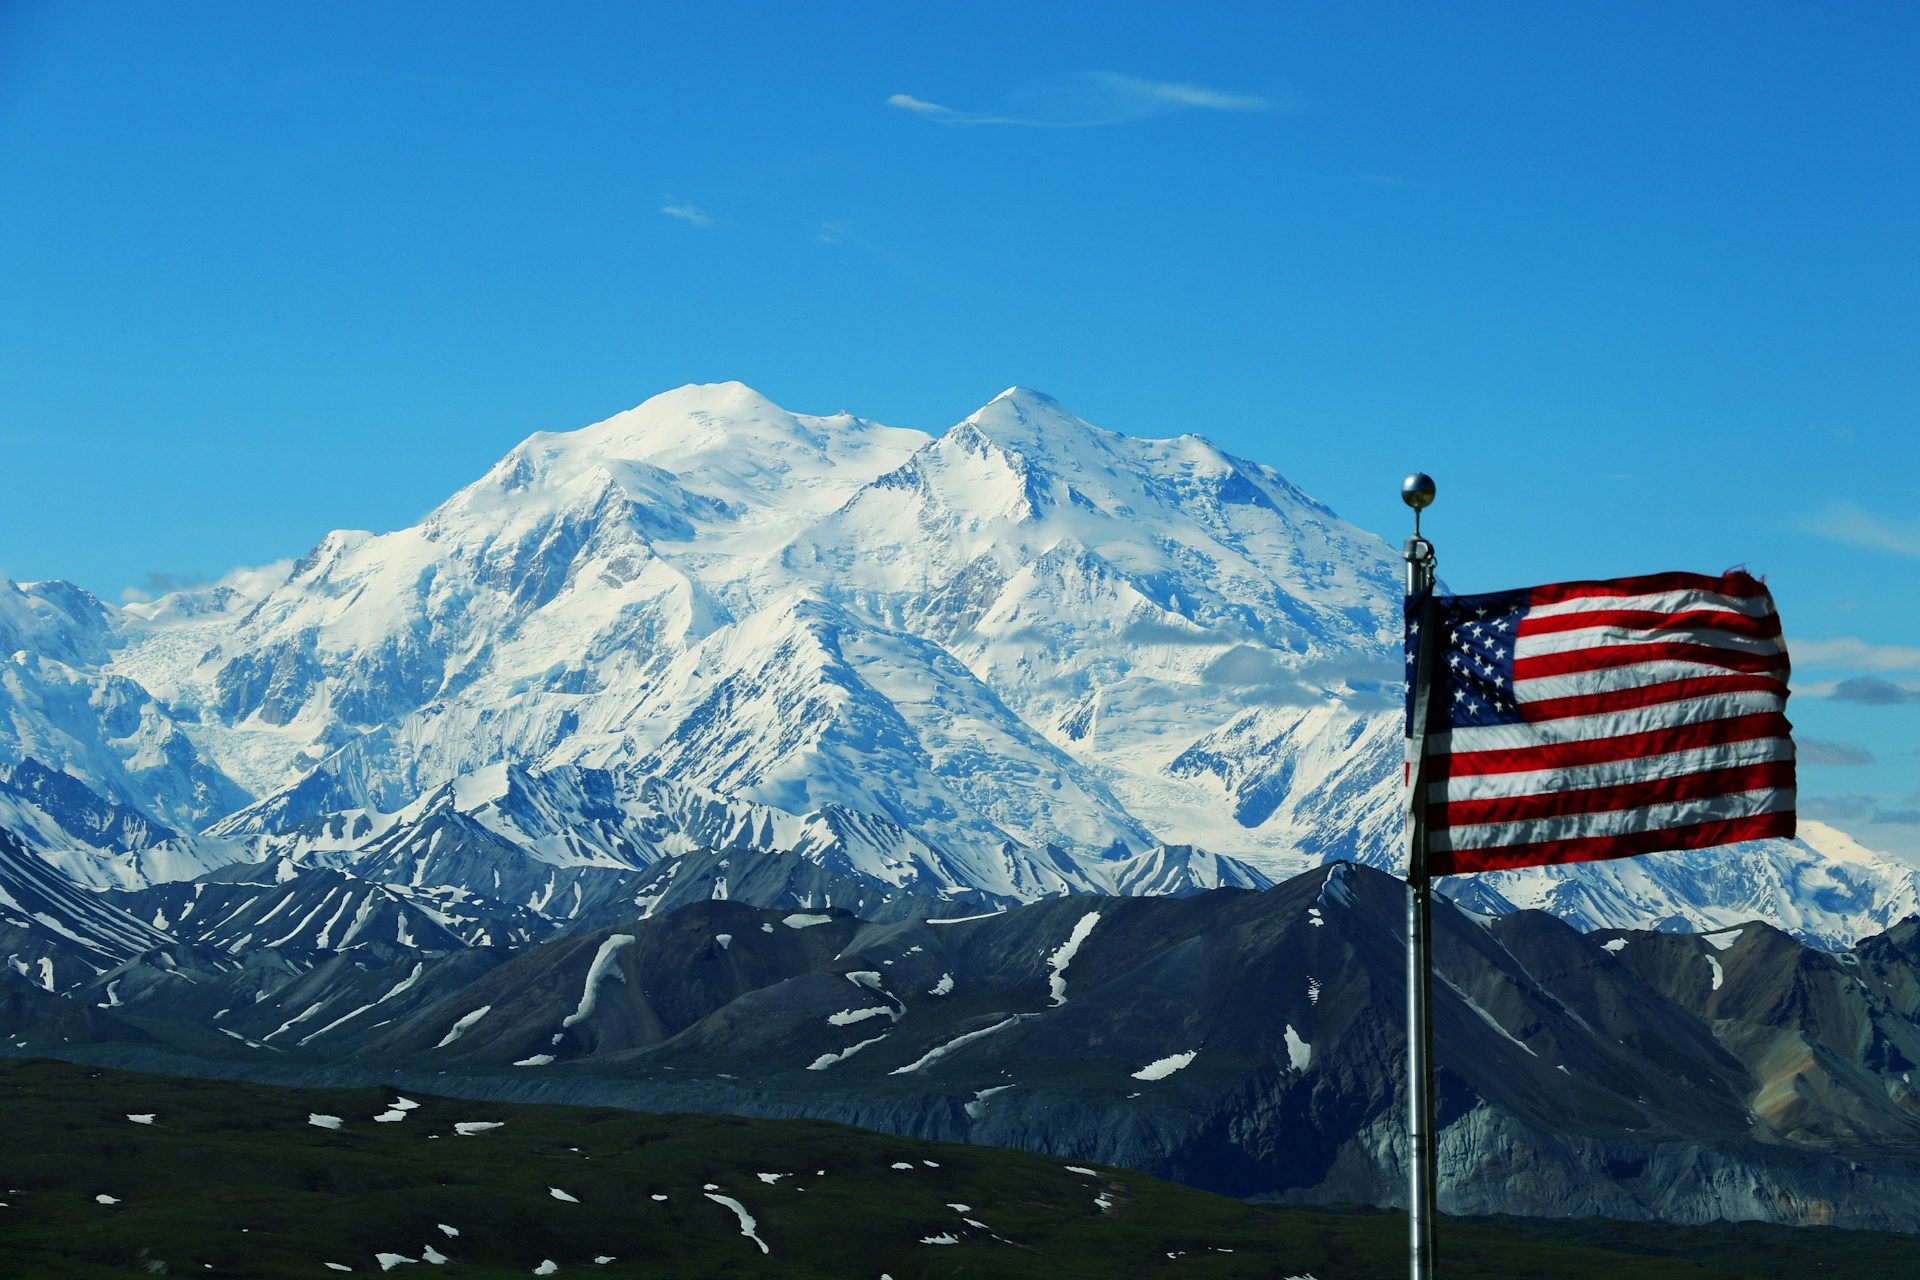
x,y
1476,667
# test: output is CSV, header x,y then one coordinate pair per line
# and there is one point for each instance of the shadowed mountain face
x,y
1245,1042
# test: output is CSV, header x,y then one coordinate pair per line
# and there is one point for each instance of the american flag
x,y
1590,720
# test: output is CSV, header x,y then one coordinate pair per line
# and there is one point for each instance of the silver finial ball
x,y
1417,490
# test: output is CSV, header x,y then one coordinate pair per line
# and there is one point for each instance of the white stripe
x,y
1638,676
1533,646
1672,764
1659,602
1614,822
1607,724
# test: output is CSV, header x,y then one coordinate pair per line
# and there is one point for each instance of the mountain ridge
x,y
1023,638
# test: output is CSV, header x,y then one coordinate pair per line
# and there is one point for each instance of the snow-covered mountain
x,y
1024,657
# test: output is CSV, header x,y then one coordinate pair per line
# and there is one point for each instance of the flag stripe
x,y
1662,601
1665,789
1535,644
1639,768
1733,584
1605,656
1653,620
1615,688
1617,822
1582,739
1596,848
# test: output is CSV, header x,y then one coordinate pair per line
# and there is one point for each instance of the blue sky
x,y
1638,283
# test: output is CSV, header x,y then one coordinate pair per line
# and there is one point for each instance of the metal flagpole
x,y
1417,492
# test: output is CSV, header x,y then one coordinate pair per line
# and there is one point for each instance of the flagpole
x,y
1417,491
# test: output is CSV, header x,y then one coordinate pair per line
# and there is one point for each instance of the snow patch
x,y
826,1060
1161,1068
319,1121
459,1028
1722,940
747,1223
1719,974
1063,955
1299,1052
938,1052
603,965
800,920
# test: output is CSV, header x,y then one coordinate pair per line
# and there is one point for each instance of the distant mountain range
x,y
1024,658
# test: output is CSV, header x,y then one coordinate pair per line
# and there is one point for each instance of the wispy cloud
x,y
1088,100
251,581
155,583
1857,527
1824,751
687,211
1846,652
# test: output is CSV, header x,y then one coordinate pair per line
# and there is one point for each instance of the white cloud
x,y
687,211
1854,525
256,581
1088,100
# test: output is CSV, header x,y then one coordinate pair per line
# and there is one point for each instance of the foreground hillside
x,y
110,1173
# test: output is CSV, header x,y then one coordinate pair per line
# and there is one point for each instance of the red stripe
x,y
1599,848
1744,585
1607,656
1765,627
1765,775
1625,746
1646,695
